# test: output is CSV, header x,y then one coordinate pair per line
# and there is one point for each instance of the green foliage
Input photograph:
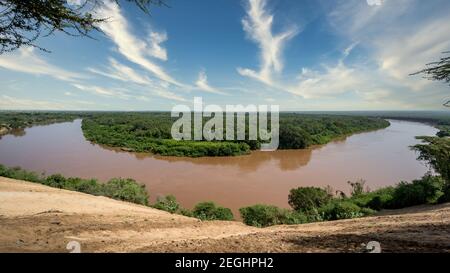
x,y
126,190
427,190
150,132
341,210
210,211
375,200
444,130
21,120
167,203
436,152
56,181
293,137
186,212
117,188
90,186
266,215
18,173
305,199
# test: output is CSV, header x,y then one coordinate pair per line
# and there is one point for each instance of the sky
x,y
301,55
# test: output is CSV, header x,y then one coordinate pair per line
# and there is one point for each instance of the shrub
x,y
266,215
56,180
427,190
126,190
167,203
18,173
368,211
210,211
305,199
375,200
289,217
186,212
341,210
446,195
90,186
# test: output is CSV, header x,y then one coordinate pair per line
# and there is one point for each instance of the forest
x,y
150,132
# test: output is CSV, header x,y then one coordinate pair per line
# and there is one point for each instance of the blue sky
x,y
301,55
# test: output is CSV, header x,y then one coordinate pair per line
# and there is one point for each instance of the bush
x,y
427,190
56,181
126,190
341,210
18,173
90,186
305,199
375,200
210,211
167,203
445,196
265,215
186,212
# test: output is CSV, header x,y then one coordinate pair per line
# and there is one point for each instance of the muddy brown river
x,y
380,157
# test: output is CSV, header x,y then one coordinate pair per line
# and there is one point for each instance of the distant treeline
x,y
150,132
20,120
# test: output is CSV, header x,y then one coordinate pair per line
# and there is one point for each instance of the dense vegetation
x,y
124,189
116,188
150,132
311,204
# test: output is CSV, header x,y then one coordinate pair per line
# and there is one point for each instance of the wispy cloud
x,y
202,84
14,103
118,71
258,26
97,90
134,49
168,94
27,61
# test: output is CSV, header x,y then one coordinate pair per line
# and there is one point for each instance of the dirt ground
x,y
36,218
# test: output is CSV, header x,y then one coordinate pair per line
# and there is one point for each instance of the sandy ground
x,y
36,218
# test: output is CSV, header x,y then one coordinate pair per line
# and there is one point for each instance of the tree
x,y
436,152
307,199
438,71
23,22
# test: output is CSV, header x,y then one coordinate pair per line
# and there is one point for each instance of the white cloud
x,y
408,53
107,92
168,95
155,49
25,60
202,84
395,48
258,26
12,103
401,37
133,48
334,80
121,72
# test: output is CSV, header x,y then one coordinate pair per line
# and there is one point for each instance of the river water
x,y
380,157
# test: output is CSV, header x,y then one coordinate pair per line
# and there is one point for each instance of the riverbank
x,y
36,218
232,182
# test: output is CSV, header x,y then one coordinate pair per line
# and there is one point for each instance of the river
x,y
380,157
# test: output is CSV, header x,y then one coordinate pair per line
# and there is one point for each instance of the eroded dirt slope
x,y
36,218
